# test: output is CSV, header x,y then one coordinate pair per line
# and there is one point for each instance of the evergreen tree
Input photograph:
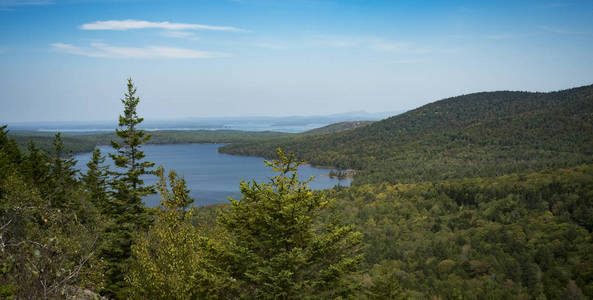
x,y
128,154
62,175
95,180
9,152
10,155
281,247
36,165
126,210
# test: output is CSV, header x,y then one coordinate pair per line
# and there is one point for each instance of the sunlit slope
x,y
481,134
338,127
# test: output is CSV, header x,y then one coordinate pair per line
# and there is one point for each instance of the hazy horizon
x,y
66,60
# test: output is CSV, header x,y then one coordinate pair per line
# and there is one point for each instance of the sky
x,y
68,60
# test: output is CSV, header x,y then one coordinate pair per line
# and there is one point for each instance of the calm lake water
x,y
211,176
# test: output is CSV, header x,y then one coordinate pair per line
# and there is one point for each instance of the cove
x,y
212,177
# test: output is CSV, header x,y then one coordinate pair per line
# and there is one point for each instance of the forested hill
x,y
481,134
337,127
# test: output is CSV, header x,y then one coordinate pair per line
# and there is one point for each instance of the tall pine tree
x,y
126,209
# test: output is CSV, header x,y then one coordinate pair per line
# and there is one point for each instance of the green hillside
x,y
337,127
481,134
518,236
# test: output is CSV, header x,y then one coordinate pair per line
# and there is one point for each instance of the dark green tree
x,y
36,166
280,244
10,155
62,175
128,155
126,210
95,180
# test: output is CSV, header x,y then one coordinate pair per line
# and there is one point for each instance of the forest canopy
x,y
493,201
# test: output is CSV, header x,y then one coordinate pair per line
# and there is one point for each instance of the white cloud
x,y
180,34
10,5
24,2
136,24
108,51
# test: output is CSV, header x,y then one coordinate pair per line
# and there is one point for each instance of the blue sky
x,y
68,60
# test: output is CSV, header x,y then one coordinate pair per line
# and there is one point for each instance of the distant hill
x,y
86,141
481,134
337,127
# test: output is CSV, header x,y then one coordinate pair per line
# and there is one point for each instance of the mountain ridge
x,y
478,134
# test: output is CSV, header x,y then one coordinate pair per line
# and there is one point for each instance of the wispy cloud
x,y
180,34
109,51
136,24
10,5
25,2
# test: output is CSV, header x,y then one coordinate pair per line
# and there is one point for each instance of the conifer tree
x,y
9,151
95,180
128,154
128,185
281,247
62,174
36,165
126,210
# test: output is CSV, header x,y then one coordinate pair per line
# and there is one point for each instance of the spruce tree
x,y
126,210
127,185
95,180
281,246
36,166
62,174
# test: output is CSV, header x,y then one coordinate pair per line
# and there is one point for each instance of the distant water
x,y
230,126
211,176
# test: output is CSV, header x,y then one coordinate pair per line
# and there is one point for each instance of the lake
x,y
212,176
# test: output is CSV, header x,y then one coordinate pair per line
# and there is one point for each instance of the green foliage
x,y
509,237
476,135
337,127
36,166
62,175
48,248
128,154
279,245
174,260
459,235
95,180
125,210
